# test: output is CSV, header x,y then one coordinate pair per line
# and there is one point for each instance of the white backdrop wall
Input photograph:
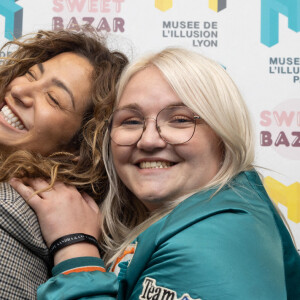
x,y
257,41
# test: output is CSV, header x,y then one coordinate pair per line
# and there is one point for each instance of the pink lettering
x,y
265,138
265,118
58,7
118,5
57,23
296,141
73,24
88,20
282,140
103,25
118,24
78,4
93,6
284,117
105,6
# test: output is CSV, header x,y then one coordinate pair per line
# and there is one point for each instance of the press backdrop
x,y
258,42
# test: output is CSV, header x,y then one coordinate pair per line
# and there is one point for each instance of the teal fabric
x,y
84,285
72,263
230,246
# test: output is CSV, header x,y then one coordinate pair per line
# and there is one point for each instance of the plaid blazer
x,y
24,259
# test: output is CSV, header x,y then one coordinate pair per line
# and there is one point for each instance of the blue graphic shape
x,y
270,10
13,14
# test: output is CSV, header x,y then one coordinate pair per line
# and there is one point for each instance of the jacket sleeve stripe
x,y
85,269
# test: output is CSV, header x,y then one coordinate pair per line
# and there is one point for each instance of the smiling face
x,y
152,169
43,109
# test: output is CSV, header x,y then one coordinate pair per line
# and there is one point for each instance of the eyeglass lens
x,y
175,124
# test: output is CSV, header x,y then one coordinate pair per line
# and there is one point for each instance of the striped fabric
x,y
24,260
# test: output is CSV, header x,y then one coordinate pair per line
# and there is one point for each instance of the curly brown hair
x,y
84,167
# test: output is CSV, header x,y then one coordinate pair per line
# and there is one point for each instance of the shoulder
x,y
243,199
13,205
225,247
225,254
6,191
241,206
18,221
236,224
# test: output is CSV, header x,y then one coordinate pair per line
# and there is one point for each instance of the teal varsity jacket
x,y
230,246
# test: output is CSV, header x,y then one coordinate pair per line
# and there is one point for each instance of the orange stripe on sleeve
x,y
84,269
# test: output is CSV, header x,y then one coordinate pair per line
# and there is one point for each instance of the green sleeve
x,y
81,285
227,256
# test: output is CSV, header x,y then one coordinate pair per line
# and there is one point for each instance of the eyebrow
x,y
131,106
59,84
136,106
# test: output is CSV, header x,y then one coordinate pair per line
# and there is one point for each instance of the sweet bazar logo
x,y
216,5
270,10
97,13
13,14
281,129
288,196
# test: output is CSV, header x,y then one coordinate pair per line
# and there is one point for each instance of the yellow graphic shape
x,y
289,196
163,5
217,5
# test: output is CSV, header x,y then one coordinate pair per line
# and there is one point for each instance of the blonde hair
x,y
83,167
205,87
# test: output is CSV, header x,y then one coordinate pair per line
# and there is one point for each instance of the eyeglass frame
x,y
109,124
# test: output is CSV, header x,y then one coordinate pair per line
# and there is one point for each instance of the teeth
x,y
154,164
11,118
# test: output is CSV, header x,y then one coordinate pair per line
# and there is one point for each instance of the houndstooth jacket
x,y
24,259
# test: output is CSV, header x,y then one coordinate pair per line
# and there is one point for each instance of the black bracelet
x,y
71,239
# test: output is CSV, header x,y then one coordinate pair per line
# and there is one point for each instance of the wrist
x,y
74,245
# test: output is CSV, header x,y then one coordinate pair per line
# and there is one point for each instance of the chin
x,y
152,201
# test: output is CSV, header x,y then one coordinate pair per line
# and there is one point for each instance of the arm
x,y
80,278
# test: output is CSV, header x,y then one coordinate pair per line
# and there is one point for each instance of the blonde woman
x,y
54,91
186,215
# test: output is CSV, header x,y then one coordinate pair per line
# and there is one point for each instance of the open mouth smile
x,y
11,118
155,164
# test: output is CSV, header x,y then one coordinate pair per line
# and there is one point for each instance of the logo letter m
x,y
270,10
13,14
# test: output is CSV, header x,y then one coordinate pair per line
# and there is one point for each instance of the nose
x,y
23,93
150,139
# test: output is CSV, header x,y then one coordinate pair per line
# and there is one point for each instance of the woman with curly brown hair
x,y
55,90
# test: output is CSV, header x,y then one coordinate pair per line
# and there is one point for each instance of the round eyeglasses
x,y
175,125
